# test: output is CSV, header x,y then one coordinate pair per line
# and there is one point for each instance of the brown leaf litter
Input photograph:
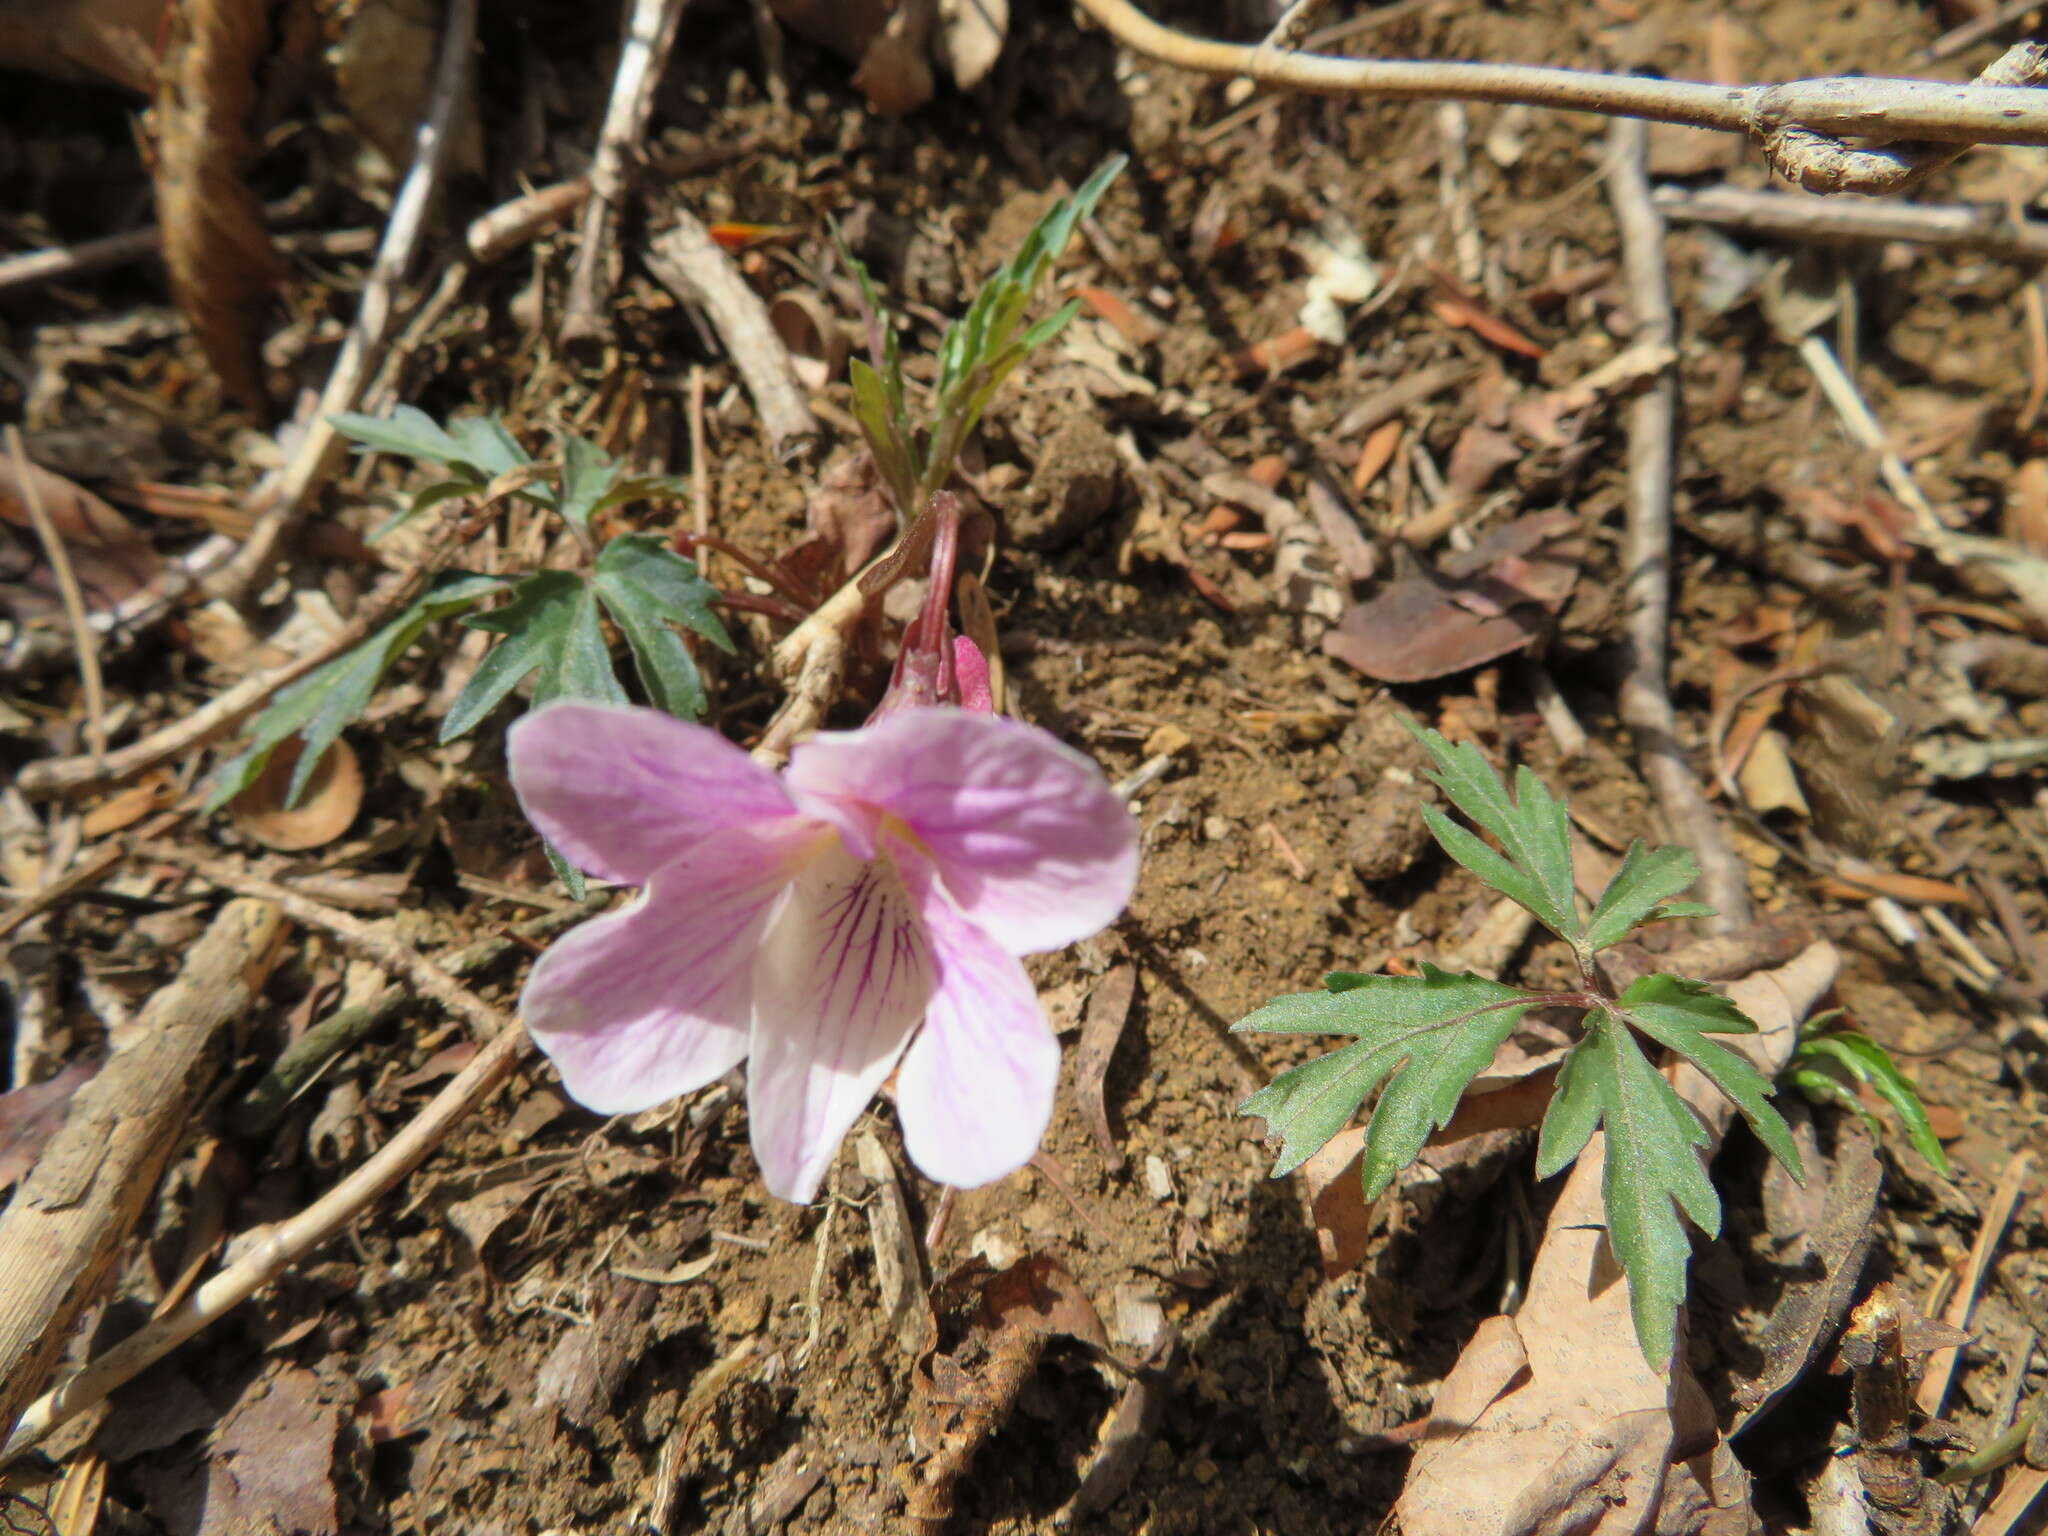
x,y
1474,607
217,246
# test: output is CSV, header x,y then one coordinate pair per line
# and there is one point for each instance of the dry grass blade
x,y
223,267
82,639
1941,1365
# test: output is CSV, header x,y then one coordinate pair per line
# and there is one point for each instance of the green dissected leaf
x,y
485,443
551,629
1863,1059
1531,827
1432,1032
646,587
407,430
1653,1169
1641,891
323,703
432,496
1679,1015
588,476
642,488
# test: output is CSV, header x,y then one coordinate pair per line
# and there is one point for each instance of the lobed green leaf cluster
x,y
1418,1041
550,626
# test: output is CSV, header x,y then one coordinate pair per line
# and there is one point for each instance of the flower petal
x,y
839,982
624,791
975,1091
1026,836
640,1005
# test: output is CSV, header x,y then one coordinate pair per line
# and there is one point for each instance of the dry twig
x,y
92,1182
1796,216
494,235
284,494
650,35
353,934
83,641
1801,124
1645,700
690,264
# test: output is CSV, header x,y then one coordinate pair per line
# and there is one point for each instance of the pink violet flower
x,y
860,914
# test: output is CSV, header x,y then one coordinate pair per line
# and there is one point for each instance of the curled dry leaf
x,y
83,39
1109,1009
328,808
217,248
111,557
1476,606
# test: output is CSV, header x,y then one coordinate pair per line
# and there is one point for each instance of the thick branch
x,y
90,1185
1800,123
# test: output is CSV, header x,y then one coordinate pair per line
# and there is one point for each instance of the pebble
x,y
1158,1177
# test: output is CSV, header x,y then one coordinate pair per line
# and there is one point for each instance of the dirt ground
x,y
509,1343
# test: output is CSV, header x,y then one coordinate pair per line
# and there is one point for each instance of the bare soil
x,y
435,1330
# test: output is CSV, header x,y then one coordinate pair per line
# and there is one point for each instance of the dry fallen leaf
x,y
217,247
1476,606
83,39
272,1468
959,1400
1109,1009
30,1115
333,796
110,556
1580,1434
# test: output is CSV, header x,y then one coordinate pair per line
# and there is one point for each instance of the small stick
x,y
495,235
1801,216
1972,32
700,474
82,638
650,35
1645,700
1941,1364
300,1062
695,268
1801,124
60,775
285,493
353,934
268,1252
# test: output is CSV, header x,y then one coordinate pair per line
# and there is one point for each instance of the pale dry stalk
x,y
685,260
650,36
1652,416
83,641
1800,124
